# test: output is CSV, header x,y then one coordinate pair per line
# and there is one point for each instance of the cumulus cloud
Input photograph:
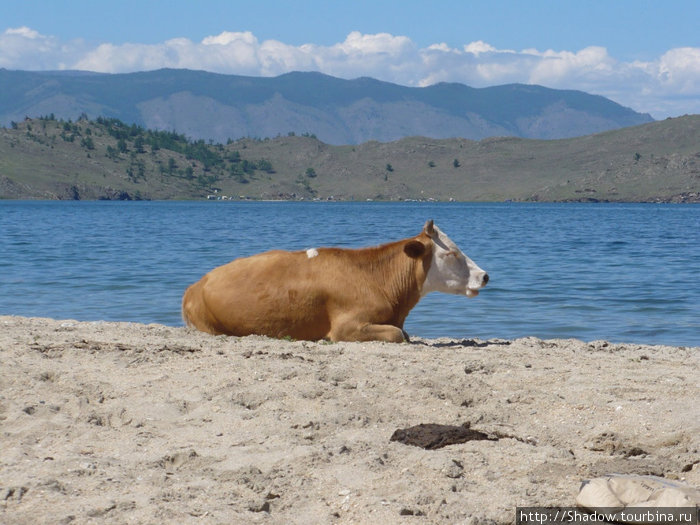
x,y
679,70
667,86
25,48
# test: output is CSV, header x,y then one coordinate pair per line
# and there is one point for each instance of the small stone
x,y
259,507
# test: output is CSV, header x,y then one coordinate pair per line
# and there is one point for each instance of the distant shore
x,y
124,422
105,159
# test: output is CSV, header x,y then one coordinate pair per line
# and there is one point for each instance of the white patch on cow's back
x,y
312,252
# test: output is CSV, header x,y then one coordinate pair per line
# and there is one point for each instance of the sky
x,y
643,54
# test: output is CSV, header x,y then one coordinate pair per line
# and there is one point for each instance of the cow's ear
x,y
414,248
429,228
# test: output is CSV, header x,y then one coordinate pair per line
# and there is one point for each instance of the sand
x,y
128,423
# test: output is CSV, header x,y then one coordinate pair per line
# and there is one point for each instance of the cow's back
x,y
275,293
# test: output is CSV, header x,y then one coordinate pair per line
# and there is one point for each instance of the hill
x,y
106,159
217,107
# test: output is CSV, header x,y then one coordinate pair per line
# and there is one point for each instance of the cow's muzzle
x,y
474,291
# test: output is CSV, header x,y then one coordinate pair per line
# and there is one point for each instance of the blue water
x,y
621,272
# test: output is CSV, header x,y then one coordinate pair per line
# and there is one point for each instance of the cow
x,y
331,293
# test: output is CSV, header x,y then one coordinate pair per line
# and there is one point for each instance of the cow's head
x,y
450,271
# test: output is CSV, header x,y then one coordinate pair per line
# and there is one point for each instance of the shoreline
x,y
106,422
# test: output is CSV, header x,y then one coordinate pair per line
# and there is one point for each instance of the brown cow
x,y
330,293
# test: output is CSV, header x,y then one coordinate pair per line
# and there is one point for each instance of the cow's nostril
x,y
485,279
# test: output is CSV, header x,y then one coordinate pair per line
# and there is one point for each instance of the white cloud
x,y
380,44
666,86
679,70
562,66
25,48
23,31
227,37
479,47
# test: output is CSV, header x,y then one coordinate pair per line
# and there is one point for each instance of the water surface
x,y
621,272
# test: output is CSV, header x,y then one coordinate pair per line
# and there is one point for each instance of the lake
x,y
621,272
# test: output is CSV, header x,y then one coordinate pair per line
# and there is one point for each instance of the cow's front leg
x,y
353,331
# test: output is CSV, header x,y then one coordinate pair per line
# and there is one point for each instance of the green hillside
x,y
47,158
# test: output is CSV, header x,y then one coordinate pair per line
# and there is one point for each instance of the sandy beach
x,y
128,423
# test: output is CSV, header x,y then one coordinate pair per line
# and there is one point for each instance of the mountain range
x,y
218,107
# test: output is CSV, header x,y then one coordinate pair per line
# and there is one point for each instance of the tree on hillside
x,y
172,165
265,165
237,173
87,143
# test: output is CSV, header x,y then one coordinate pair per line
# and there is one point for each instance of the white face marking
x,y
451,271
311,252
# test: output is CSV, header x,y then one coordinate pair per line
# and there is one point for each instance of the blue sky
x,y
643,54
